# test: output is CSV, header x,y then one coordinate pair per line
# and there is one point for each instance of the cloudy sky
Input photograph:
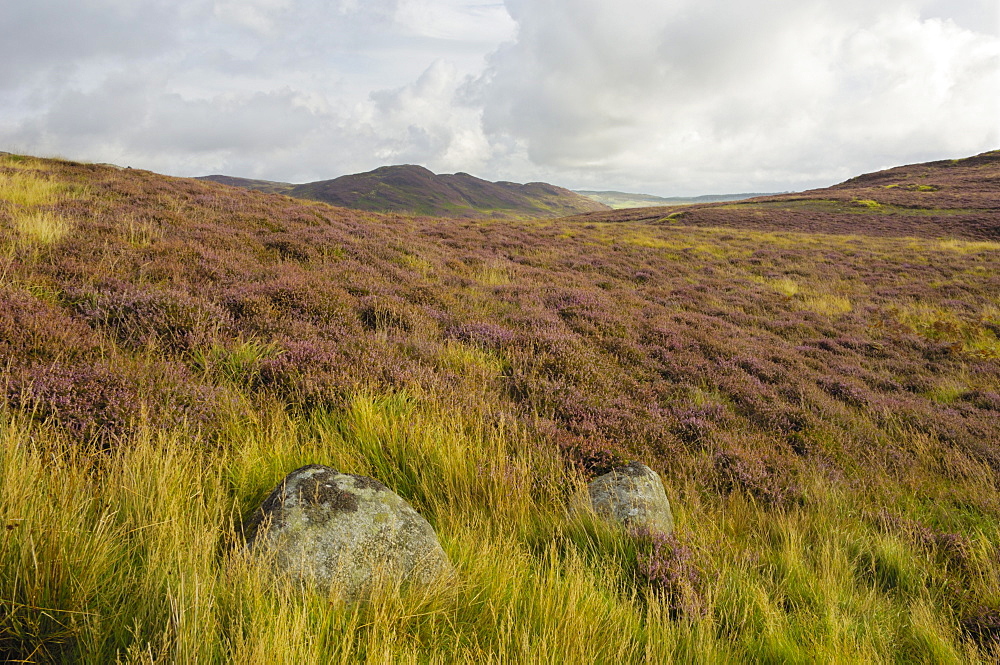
x,y
670,97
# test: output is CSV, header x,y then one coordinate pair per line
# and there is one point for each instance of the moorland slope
x,y
814,376
949,199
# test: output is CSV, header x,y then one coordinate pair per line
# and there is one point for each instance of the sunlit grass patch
x,y
966,246
25,189
784,285
239,362
420,265
678,244
41,227
867,203
947,392
940,324
829,305
464,358
495,273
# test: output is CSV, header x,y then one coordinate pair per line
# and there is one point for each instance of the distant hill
x,y
415,189
268,186
620,200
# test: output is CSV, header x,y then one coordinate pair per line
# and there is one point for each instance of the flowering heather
x,y
791,365
670,568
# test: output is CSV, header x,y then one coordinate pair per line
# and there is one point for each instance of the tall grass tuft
x,y
27,190
41,227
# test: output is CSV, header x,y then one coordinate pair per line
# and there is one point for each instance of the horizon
x,y
578,191
666,100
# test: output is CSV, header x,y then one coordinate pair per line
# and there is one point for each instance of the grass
x,y
30,194
41,228
118,556
970,335
28,190
820,403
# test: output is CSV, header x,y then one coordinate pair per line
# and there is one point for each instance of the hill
x,y
268,186
949,198
619,200
815,377
416,190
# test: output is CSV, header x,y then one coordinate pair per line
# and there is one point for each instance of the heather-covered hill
x,y
268,186
416,190
822,404
949,199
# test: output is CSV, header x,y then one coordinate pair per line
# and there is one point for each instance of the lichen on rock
x,y
633,496
338,531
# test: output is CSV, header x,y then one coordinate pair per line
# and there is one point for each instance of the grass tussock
x,y
29,195
41,228
28,190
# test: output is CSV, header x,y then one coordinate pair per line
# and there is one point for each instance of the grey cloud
x,y
737,94
43,33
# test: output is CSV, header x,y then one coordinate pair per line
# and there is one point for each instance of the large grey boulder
x,y
632,495
340,531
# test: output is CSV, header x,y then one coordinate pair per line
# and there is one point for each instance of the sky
x,y
669,97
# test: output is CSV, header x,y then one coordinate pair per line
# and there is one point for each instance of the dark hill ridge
x,y
415,189
958,198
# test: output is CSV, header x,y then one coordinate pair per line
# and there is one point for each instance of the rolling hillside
x,y
815,377
950,199
416,190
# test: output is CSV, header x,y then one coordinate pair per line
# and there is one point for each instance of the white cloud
x,y
688,96
664,96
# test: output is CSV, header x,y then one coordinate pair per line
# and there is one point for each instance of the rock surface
x,y
632,495
339,531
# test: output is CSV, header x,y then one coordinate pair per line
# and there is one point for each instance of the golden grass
x,y
41,227
829,305
28,190
784,285
122,556
497,273
943,325
465,359
140,234
957,246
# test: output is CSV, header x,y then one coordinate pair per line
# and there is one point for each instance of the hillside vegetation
x,y
416,190
815,377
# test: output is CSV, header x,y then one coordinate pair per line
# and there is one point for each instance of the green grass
x,y
123,555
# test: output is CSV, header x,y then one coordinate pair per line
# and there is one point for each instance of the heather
x,y
816,377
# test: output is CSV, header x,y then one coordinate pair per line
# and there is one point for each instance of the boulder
x,y
339,531
632,495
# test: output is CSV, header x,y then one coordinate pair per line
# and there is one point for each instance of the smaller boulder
x,y
632,495
333,530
